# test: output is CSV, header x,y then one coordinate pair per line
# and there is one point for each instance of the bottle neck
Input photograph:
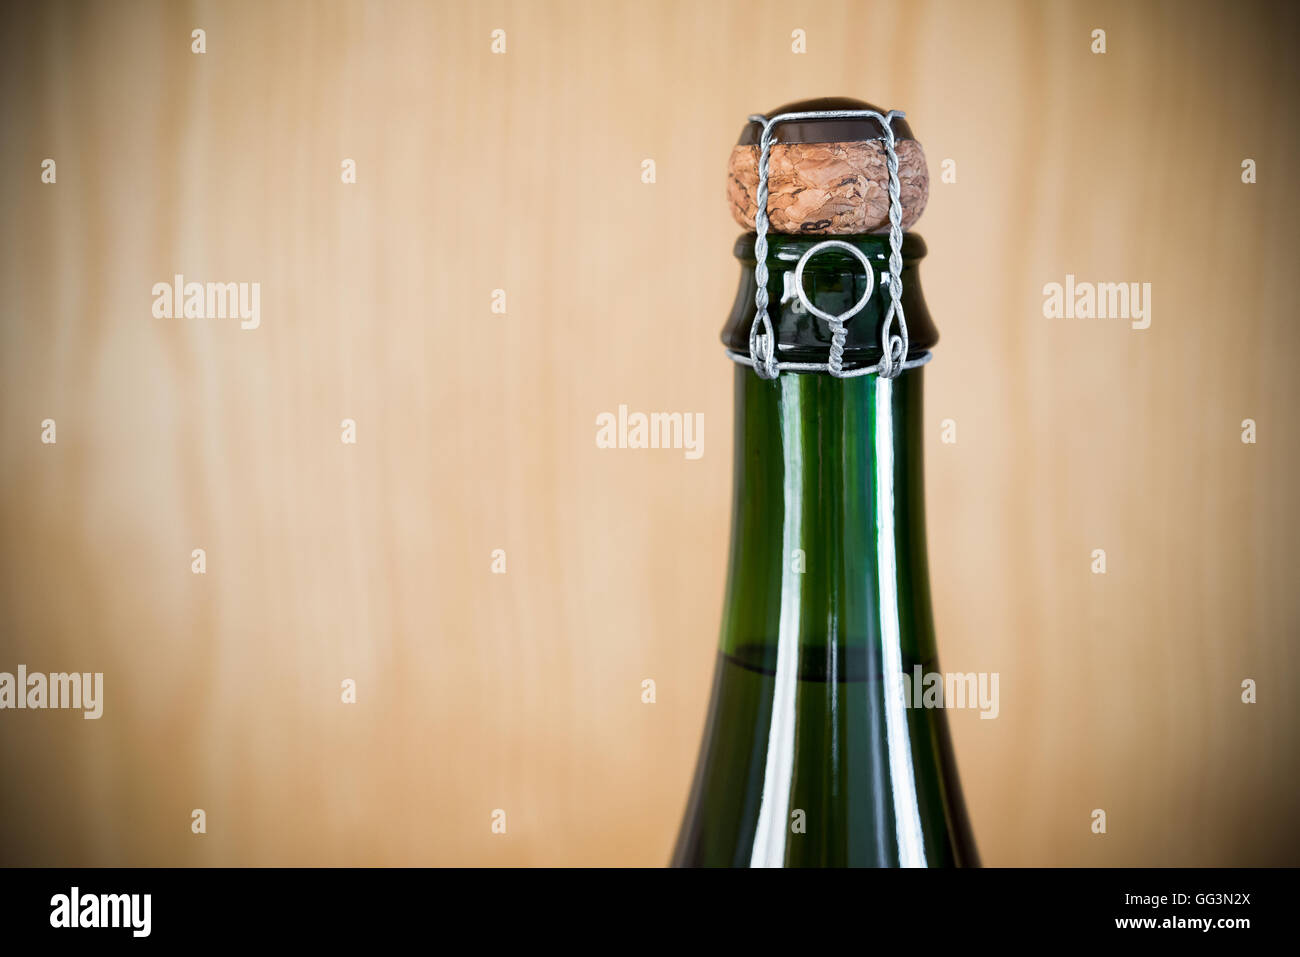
x,y
828,553
828,573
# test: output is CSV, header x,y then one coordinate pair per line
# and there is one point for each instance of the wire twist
x,y
835,364
762,345
892,360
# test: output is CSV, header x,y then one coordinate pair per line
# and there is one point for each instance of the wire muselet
x,y
893,345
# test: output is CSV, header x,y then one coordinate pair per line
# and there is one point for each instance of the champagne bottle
x,y
814,752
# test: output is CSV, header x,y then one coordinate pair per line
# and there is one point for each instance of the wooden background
x,y
476,431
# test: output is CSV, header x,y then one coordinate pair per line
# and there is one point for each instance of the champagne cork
x,y
827,176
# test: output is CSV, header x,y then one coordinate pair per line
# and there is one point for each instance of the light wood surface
x,y
475,430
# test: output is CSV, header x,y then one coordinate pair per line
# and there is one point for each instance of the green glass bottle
x,y
810,756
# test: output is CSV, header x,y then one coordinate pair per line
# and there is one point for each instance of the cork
x,y
828,177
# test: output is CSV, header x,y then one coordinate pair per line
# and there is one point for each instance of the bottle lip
x,y
801,336
787,247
